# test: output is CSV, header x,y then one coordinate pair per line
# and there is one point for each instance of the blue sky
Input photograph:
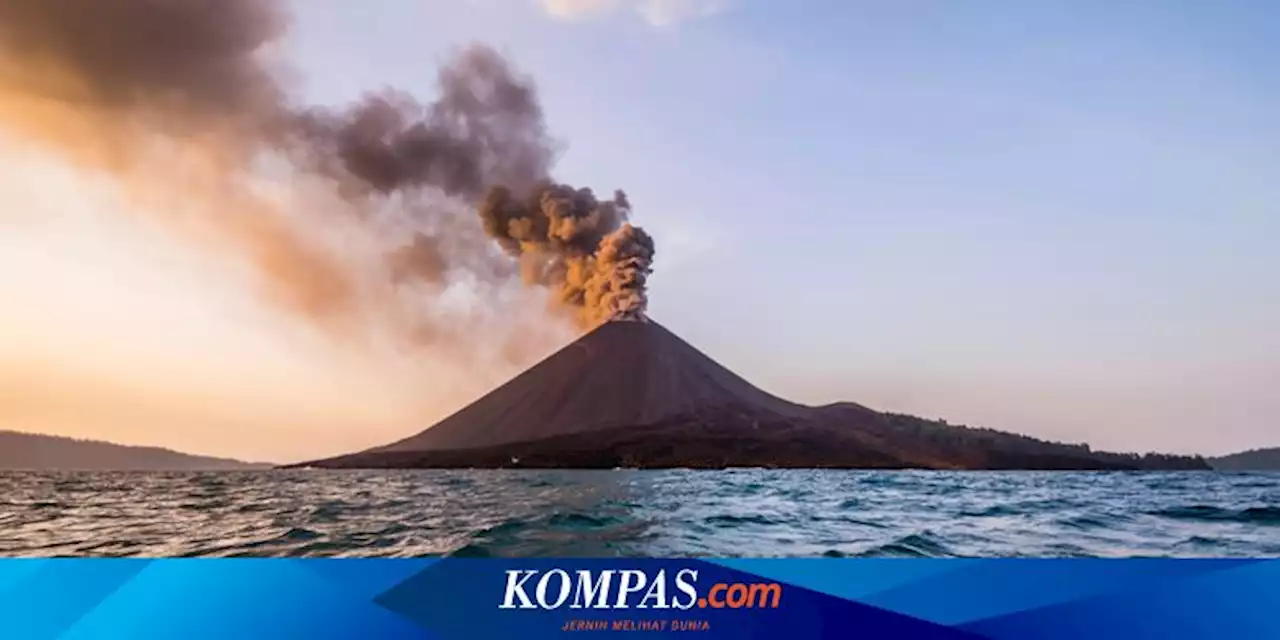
x,y
1057,218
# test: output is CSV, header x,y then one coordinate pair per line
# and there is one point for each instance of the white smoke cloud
x,y
658,13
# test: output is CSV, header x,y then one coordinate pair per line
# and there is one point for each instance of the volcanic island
x,y
631,394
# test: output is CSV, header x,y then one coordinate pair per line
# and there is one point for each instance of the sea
x,y
733,513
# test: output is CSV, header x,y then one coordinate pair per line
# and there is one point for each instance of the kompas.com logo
x,y
632,588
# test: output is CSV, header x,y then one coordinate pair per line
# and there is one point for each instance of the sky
x,y
1053,218
1057,218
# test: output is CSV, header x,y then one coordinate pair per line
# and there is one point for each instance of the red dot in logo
x,y
702,603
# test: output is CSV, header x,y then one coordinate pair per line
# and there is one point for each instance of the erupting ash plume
x,y
582,247
196,72
200,59
404,230
486,128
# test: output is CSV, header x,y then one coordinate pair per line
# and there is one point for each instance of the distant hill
x,y
30,451
1252,460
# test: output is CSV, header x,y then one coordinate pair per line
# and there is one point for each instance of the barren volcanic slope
x,y
624,373
632,394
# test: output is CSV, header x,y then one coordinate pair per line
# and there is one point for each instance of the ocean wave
x,y
639,513
1088,521
725,520
916,545
994,511
579,521
1252,515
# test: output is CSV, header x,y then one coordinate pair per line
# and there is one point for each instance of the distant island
x,y
631,394
1252,460
29,451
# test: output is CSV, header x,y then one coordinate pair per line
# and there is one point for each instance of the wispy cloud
x,y
656,12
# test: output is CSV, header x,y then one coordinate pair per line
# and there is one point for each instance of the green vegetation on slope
x,y
1252,460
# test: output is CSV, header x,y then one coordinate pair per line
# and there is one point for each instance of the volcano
x,y
624,373
630,393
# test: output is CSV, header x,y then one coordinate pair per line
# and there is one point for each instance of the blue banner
x,y
999,599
